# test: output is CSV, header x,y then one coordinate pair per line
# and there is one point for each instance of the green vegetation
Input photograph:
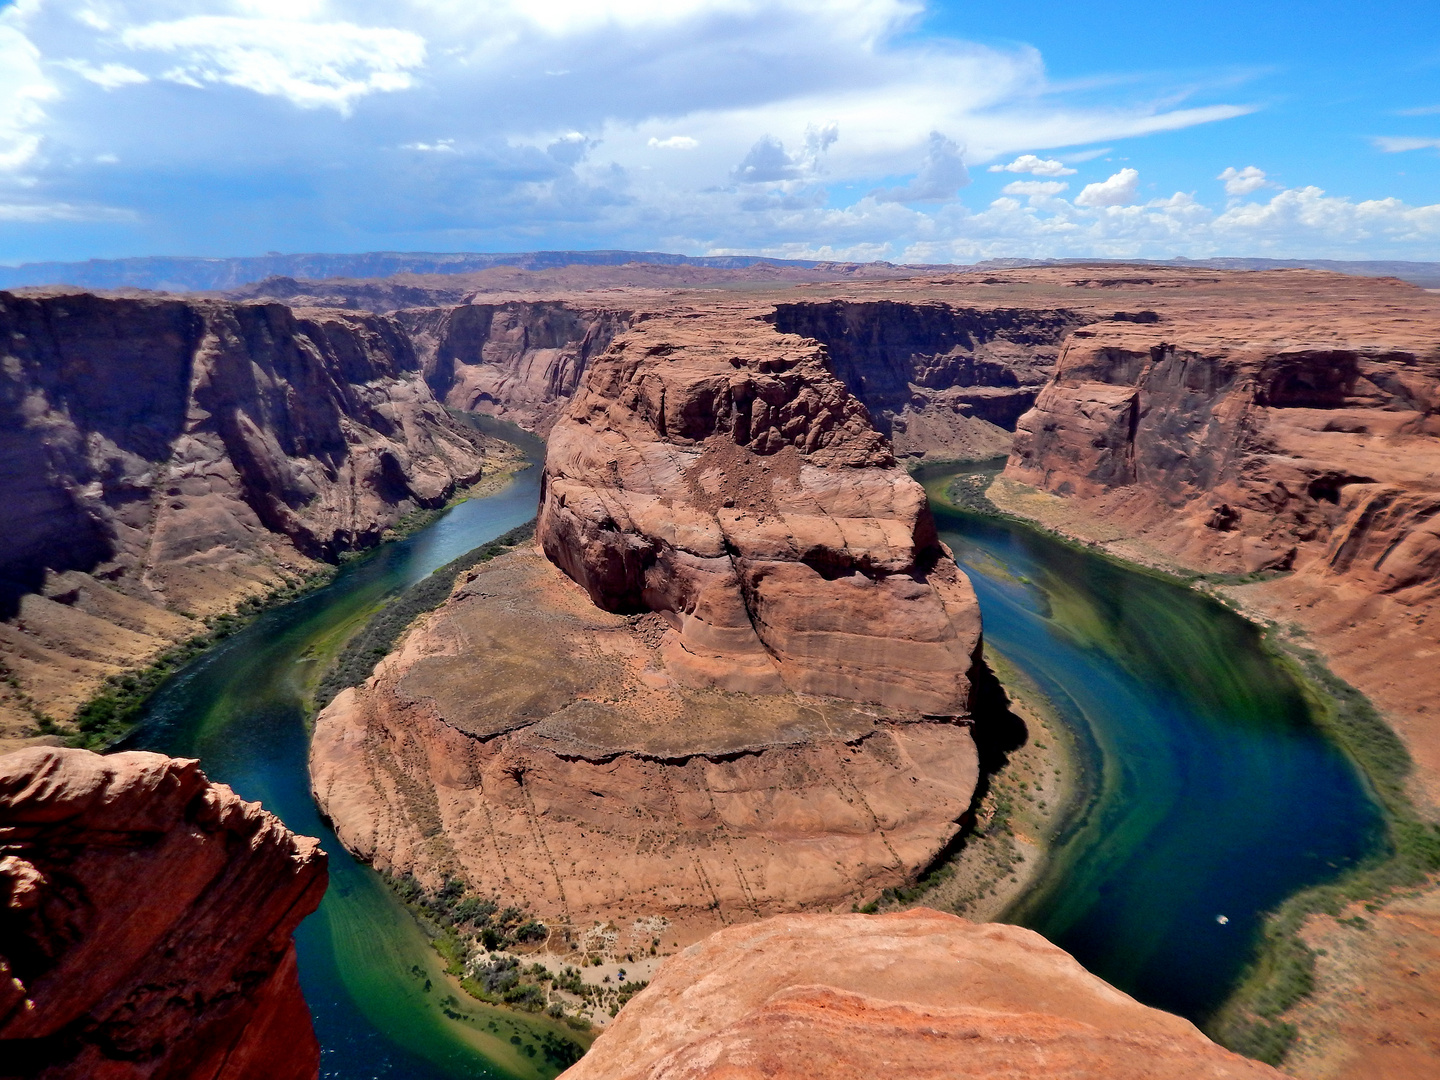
x,y
468,932
111,713
1284,970
367,648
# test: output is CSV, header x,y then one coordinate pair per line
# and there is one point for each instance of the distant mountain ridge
x,y
1425,274
183,273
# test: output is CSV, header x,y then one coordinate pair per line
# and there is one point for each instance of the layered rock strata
x,y
147,921
939,379
519,361
911,994
161,459
754,700
1300,438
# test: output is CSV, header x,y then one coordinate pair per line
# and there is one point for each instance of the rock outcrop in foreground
x,y
755,700
161,459
835,997
146,924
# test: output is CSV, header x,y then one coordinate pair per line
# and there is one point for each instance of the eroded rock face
x,y
1264,452
718,474
519,361
753,696
159,459
147,922
1289,425
926,994
938,379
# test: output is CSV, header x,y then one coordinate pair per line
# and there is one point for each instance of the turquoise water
x,y
1209,794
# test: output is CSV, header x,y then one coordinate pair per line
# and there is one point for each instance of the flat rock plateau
x,y
749,695
146,924
917,993
162,459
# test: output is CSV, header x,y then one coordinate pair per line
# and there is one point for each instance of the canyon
x,y
163,459
147,921
734,679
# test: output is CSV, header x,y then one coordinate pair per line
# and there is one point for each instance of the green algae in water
x,y
1212,795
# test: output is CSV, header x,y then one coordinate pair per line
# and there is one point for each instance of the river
x,y
1210,794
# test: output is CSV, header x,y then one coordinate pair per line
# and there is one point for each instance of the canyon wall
x,y
928,371
751,693
519,361
160,459
146,922
832,997
1292,435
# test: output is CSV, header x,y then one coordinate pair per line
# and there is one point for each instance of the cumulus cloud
x,y
1118,190
1036,190
940,177
1397,144
23,91
769,162
673,142
1246,181
1036,166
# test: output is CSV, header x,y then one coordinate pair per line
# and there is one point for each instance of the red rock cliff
x,y
719,474
160,459
836,997
146,924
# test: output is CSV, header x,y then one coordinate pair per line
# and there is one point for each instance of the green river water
x,y
1208,792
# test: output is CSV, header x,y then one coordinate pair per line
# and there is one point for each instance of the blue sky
x,y
810,128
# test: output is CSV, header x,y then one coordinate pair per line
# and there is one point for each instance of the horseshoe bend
x,y
733,678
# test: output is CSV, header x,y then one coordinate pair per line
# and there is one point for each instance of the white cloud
x,y
1118,190
439,146
30,213
1397,144
23,88
1035,189
1246,181
940,178
673,142
769,162
313,65
1037,166
107,76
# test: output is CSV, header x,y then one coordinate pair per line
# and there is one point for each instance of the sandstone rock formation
x,y
146,924
720,475
519,361
938,378
912,994
160,459
757,704
1297,430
